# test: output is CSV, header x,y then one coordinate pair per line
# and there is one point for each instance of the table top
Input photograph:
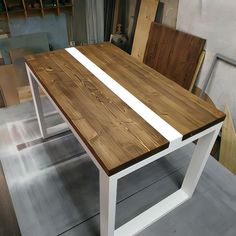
x,y
114,132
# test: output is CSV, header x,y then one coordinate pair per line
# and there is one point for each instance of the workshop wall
x,y
214,20
55,26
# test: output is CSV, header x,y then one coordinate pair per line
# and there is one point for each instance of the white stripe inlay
x,y
166,130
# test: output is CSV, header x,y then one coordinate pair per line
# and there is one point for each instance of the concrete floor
x,y
54,185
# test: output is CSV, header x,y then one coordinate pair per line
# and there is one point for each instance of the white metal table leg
x,y
198,161
37,104
108,193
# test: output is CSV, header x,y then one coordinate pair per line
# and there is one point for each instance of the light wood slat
x,y
114,133
8,222
228,143
147,14
184,111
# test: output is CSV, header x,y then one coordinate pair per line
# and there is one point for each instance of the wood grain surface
x,y
8,222
173,53
113,132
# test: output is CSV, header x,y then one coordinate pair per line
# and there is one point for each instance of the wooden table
x,y
126,115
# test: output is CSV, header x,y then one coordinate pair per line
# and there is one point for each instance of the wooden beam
x,y
147,14
199,65
228,143
197,91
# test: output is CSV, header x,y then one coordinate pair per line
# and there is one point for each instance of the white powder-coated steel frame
x,y
108,184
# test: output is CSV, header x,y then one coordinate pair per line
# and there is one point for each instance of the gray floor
x,y
54,185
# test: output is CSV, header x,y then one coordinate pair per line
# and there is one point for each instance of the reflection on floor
x,y
54,185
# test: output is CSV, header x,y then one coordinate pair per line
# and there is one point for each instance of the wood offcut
x,y
173,53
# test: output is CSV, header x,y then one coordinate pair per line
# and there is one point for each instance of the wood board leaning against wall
x,y
228,143
8,222
173,53
147,14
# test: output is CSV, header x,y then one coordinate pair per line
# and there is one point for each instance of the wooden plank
x,y
25,94
116,17
113,132
147,14
8,222
8,85
173,53
228,143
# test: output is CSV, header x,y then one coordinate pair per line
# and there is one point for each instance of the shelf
x,y
3,13
33,9
46,7
65,6
16,11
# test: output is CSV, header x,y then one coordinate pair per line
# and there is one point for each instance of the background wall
x,y
170,12
214,20
55,26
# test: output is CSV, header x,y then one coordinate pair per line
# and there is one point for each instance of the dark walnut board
x,y
173,53
113,132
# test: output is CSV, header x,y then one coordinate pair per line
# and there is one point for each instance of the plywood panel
x,y
173,53
147,14
197,70
228,143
